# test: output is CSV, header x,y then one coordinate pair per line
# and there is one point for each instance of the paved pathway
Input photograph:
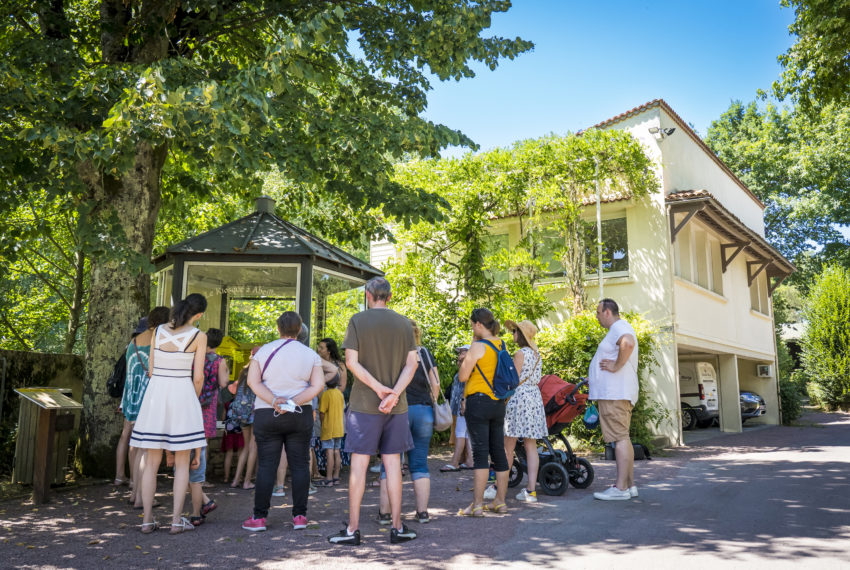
x,y
777,496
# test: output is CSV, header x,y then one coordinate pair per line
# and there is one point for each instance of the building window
x,y
493,243
549,249
758,294
615,249
696,258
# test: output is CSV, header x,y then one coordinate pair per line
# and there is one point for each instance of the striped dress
x,y
170,416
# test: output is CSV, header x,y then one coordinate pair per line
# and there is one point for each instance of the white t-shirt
x,y
288,374
620,385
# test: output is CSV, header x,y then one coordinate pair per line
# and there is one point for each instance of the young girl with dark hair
x,y
170,417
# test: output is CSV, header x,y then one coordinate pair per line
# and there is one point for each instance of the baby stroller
x,y
562,402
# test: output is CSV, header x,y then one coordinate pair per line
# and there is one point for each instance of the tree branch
x,y
14,331
47,282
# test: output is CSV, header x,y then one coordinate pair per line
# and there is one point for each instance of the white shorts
x,y
460,427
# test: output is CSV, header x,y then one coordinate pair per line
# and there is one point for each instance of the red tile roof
x,y
680,123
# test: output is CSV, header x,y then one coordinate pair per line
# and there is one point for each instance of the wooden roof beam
x,y
737,248
690,210
760,265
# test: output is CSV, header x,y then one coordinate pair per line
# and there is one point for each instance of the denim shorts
x,y
332,443
421,424
198,475
368,434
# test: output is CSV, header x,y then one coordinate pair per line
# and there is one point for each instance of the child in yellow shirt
x,y
331,405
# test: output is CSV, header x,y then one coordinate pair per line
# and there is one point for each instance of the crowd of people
x,y
290,399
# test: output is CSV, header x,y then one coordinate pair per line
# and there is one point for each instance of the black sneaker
x,y
342,537
423,517
384,518
402,535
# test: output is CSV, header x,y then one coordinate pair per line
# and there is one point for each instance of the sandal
x,y
476,512
464,467
500,509
196,521
336,481
448,468
234,484
248,485
184,525
208,508
324,483
119,481
148,528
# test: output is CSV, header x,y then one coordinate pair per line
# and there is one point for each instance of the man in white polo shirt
x,y
614,386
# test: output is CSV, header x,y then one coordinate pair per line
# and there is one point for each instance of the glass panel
x,y
754,295
549,249
701,258
615,247
161,283
716,269
244,300
335,300
683,247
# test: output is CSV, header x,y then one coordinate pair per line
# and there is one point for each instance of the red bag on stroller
x,y
561,402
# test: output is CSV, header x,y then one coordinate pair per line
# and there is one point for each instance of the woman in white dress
x,y
524,414
170,417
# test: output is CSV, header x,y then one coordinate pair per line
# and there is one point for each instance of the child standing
x,y
331,405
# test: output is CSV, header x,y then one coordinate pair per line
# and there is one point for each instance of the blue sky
x,y
595,59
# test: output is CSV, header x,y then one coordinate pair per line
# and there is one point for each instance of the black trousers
x,y
485,425
294,431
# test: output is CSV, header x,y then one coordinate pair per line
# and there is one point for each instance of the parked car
x,y
698,390
752,406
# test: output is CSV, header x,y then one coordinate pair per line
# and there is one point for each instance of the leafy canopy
x,y
817,67
798,165
229,89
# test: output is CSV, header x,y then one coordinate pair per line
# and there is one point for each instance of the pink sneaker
x,y
254,525
299,522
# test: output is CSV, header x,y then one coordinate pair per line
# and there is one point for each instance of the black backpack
x,y
115,383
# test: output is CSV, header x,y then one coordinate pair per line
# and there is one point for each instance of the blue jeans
x,y
420,417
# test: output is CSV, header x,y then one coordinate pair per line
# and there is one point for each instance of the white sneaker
x,y
490,493
375,468
613,494
633,491
527,496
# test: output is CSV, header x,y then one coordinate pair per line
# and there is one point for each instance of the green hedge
x,y
567,349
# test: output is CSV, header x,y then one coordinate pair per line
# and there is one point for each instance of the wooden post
x,y
42,475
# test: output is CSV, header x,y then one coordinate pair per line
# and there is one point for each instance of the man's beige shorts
x,y
615,417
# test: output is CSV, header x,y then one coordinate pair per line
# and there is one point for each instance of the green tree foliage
x,y
826,341
45,287
102,103
799,167
817,66
452,266
567,349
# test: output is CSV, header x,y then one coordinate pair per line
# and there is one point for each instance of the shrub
x,y
826,341
567,349
791,399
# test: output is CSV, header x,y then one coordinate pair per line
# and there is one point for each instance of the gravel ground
x,y
777,495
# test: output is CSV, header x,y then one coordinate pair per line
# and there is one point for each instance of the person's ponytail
x,y
183,310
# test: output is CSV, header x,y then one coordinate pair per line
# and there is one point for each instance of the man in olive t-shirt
x,y
380,352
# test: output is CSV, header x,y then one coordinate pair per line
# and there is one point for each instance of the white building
x,y
691,258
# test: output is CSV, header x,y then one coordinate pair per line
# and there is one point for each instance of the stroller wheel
x,y
515,475
553,478
582,477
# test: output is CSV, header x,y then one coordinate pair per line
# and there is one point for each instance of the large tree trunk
x,y
118,297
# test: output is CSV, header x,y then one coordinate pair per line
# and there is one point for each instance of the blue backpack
x,y
505,378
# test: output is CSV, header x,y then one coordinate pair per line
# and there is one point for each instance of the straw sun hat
x,y
528,331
